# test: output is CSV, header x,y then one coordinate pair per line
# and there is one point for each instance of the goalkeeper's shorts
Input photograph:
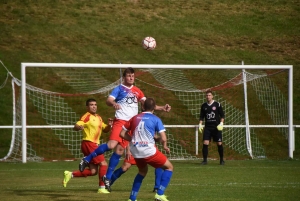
x,y
212,133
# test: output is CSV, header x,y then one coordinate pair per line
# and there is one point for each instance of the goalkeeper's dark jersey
x,y
212,113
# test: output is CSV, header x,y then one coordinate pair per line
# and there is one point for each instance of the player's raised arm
x,y
165,108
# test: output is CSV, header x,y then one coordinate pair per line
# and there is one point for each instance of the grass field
x,y
237,180
187,32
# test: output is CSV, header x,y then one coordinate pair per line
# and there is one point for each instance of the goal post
x,y
160,71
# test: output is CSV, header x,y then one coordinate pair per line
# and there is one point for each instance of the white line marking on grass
x,y
242,185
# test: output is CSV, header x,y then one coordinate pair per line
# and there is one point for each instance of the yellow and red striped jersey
x,y
93,127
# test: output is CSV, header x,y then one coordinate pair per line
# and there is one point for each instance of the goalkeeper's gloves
x,y
200,128
220,126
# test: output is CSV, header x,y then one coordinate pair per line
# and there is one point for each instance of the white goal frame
x,y
24,126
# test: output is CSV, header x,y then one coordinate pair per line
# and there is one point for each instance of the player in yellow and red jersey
x,y
91,125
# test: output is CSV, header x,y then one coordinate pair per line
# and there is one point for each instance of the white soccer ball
x,y
149,43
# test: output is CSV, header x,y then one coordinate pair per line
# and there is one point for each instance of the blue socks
x,y
158,174
164,182
100,150
113,162
117,173
136,186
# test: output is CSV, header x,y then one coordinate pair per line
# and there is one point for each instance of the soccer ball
x,y
149,43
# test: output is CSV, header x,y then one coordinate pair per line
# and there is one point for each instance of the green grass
x,y
237,180
187,32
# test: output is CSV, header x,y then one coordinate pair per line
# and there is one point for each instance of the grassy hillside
x,y
187,32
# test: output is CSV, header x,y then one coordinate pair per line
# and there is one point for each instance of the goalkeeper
x,y
213,114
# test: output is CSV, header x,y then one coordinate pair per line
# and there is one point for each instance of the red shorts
x,y
131,160
156,161
88,147
116,130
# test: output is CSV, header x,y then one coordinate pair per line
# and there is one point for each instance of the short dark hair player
x,y
214,116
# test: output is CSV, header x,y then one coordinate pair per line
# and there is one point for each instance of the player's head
x,y
128,76
91,105
128,70
149,104
209,95
89,100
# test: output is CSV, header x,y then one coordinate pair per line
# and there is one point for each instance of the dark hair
x,y
128,70
89,100
209,91
149,104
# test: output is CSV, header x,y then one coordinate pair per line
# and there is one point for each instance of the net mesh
x,y
62,98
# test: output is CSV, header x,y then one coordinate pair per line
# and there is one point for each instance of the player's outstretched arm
x,y
165,108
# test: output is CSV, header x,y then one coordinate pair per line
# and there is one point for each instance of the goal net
x,y
55,100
